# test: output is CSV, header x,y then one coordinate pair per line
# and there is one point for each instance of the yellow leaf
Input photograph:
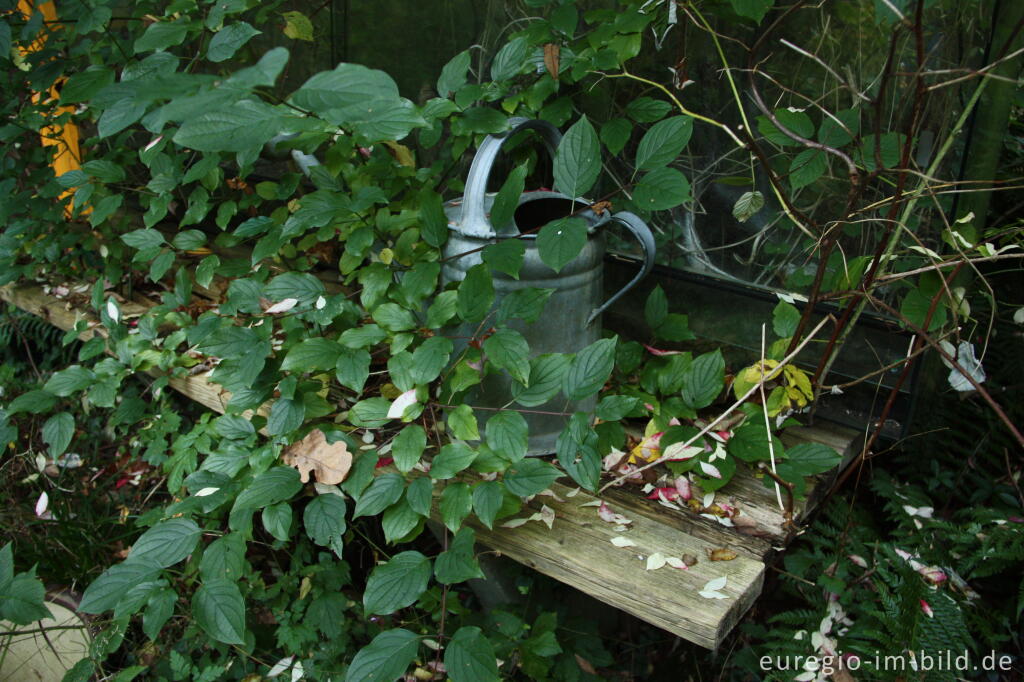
x,y
298,26
329,461
402,154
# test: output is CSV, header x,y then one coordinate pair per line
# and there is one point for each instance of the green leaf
x,y
511,59
488,497
277,520
106,591
676,327
663,142
434,222
812,458
286,415
704,379
346,85
806,167
615,134
159,610
161,35
530,476
71,380
219,610
274,485
245,125
396,584
82,86
264,73
36,402
22,596
750,443
143,239
506,433
647,109
352,368
453,458
507,349
462,423
590,369
504,206
560,241
224,558
166,543
616,407
458,564
785,318
430,359
315,354
419,495
577,162
747,206
482,120
505,256
385,658
385,490
455,505
408,446
795,121
656,308
297,26
453,74
57,433
838,133
752,9
399,521
226,42
661,189
469,657
577,451
324,520
526,304
546,374
370,413
915,307
476,294
103,170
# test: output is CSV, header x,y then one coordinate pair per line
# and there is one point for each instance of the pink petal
x,y
683,487
667,494
656,351
42,503
927,609
710,470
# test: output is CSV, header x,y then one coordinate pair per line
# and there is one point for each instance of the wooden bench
x,y
577,549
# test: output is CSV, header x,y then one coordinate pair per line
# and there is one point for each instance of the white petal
x,y
281,666
717,584
297,671
154,143
283,306
712,594
320,303
620,541
206,491
675,562
547,515
113,312
655,561
708,500
401,402
710,470
680,451
42,503
515,523
1018,316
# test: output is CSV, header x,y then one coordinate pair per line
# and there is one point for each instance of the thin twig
x,y
767,421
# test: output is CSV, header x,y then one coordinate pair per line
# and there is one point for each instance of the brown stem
x,y
788,514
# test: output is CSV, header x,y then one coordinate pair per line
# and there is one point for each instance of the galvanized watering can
x,y
571,319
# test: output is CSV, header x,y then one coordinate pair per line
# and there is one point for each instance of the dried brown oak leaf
x,y
330,461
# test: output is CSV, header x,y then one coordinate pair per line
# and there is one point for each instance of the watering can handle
x,y
475,222
643,235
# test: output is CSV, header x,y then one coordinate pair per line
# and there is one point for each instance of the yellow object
x,y
796,390
68,156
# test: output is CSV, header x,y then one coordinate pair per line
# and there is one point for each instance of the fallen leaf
x,y
547,515
330,461
680,451
606,514
620,541
721,554
551,51
655,561
42,503
283,306
585,665
689,559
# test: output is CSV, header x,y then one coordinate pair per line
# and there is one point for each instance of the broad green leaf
x,y
396,584
71,380
370,413
656,308
752,9
419,495
159,609
23,594
785,318
458,563
663,142
162,35
482,120
219,610
676,327
274,485
82,86
511,59
353,368
504,207
106,591
806,167
286,415
399,521
505,256
530,476
488,497
143,239
430,358
661,189
476,294
315,354
616,407
469,657
324,519
453,458
385,490
915,307
384,659
455,505
301,286
277,520
615,134
590,369
347,84
297,26
647,109
747,206
434,222
462,423
104,171
812,458
526,304
704,379
577,162
57,433
561,241
224,558
546,373
750,443
453,74
166,543
245,125
794,121
507,349
506,433
262,74
226,42
577,451
408,447
838,133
